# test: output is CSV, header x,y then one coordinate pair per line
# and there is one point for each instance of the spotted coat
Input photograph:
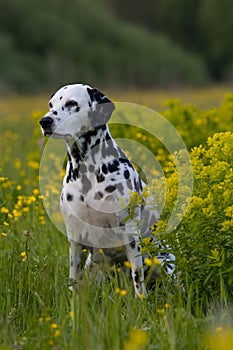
x,y
98,184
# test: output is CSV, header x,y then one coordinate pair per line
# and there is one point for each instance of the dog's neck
x,y
86,148
79,146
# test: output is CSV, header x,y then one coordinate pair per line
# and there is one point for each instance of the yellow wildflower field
x,y
193,309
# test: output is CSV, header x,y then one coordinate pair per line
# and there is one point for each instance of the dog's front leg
x,y
75,250
137,270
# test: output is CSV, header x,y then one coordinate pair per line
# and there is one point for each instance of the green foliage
x,y
203,240
45,44
203,27
216,20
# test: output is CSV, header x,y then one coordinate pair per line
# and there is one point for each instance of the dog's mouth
x,y
56,135
47,133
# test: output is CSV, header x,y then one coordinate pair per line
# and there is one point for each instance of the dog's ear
x,y
101,107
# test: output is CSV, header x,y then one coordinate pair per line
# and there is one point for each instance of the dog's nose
x,y
46,122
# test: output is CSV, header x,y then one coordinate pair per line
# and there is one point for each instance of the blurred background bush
x,y
114,43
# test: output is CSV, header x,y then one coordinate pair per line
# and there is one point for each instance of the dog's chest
x,y
94,196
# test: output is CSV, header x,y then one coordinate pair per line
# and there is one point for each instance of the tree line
x,y
157,43
203,27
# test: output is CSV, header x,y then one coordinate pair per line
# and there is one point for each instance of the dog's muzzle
x,y
46,124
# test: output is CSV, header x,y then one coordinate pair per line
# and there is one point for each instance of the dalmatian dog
x,y
98,186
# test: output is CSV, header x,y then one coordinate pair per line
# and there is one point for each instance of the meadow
x,y
192,310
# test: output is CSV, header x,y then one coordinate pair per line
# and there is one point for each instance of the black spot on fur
x,y
61,97
86,184
140,184
75,152
129,184
69,176
120,188
50,105
91,168
100,177
126,174
114,166
71,103
132,244
87,138
54,112
104,169
137,276
75,173
104,150
136,185
98,195
111,150
126,161
81,198
69,197
110,188
83,168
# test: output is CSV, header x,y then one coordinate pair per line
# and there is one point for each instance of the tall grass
x,y
37,309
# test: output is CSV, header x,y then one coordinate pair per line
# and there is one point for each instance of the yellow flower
x,y
141,296
138,339
33,164
148,261
4,234
18,164
5,223
128,264
25,209
23,254
156,261
36,191
4,210
160,311
101,251
123,292
117,290
57,333
19,188
31,199
54,326
71,314
167,306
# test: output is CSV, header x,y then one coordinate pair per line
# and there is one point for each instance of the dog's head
x,y
75,109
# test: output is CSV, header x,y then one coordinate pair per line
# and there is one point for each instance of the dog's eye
x,y
71,103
